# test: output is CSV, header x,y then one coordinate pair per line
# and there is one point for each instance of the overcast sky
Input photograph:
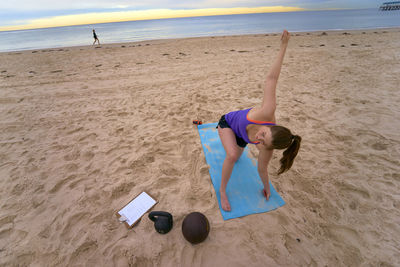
x,y
28,12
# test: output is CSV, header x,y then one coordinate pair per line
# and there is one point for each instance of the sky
x,y
30,14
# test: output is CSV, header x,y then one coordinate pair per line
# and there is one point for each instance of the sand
x,y
85,129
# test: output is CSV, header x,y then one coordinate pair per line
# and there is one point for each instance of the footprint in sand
x,y
75,130
379,146
61,183
45,233
168,169
19,189
73,222
122,190
84,250
74,155
88,155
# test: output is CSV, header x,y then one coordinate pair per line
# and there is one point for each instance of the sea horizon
x,y
200,26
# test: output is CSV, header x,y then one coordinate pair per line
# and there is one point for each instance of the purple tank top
x,y
238,121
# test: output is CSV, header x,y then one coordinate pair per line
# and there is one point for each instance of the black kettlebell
x,y
162,221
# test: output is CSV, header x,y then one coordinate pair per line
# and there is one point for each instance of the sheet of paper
x,y
137,207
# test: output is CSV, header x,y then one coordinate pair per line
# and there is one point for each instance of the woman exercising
x,y
258,126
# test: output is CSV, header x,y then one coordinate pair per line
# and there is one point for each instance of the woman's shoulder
x,y
257,114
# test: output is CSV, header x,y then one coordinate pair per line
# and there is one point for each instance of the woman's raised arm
x,y
269,99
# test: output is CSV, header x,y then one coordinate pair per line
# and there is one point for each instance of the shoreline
x,y
200,37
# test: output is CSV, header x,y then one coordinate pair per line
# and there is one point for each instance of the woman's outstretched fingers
x,y
285,37
266,194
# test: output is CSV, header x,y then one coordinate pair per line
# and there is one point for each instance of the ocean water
x,y
132,31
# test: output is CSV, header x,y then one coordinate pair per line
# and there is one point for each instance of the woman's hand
x,y
285,37
266,192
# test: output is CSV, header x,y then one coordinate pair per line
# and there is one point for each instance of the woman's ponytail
x,y
289,154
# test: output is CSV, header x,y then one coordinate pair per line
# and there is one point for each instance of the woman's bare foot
x,y
225,202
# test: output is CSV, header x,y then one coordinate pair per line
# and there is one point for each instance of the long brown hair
x,y
282,138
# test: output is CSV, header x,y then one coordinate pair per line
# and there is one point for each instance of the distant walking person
x,y
95,37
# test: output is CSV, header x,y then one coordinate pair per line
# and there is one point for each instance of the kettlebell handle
x,y
154,214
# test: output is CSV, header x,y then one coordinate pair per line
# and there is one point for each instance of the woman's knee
x,y
233,156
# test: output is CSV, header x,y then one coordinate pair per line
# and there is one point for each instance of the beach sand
x,y
85,129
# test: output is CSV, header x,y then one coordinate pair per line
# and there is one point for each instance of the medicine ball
x,y
195,227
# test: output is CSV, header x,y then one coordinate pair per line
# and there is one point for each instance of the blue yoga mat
x,y
244,189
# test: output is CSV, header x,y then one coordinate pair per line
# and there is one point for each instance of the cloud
x,y
47,5
104,17
25,5
40,12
